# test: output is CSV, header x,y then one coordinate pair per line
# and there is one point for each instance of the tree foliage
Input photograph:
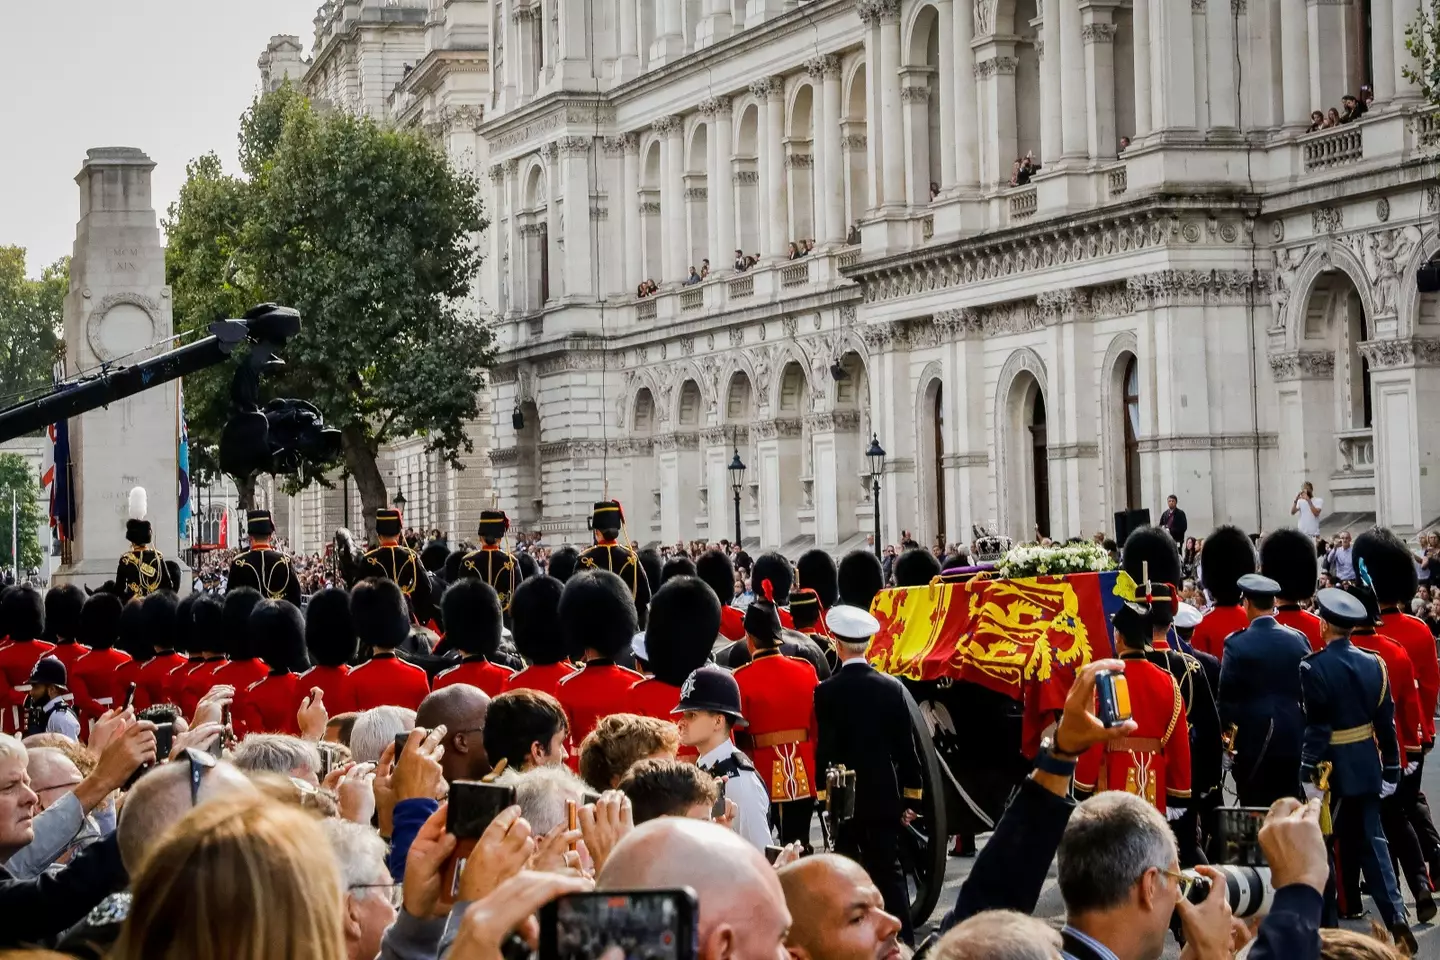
x,y
32,315
17,477
1422,39
372,235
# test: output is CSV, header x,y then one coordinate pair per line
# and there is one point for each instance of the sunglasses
x,y
393,891
199,761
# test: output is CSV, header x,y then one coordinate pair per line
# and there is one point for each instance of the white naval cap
x,y
1187,617
851,623
637,646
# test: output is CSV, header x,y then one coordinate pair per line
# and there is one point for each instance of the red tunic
x,y
1216,625
1408,724
652,697
544,677
1304,621
1412,634
777,699
267,706
16,662
732,623
478,672
1154,761
97,682
387,681
334,683
69,653
239,674
194,682
160,680
597,689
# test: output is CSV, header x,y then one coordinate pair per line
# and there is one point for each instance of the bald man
x,y
1000,935
462,709
742,907
838,912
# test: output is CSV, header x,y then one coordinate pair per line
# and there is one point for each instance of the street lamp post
x,y
737,483
876,456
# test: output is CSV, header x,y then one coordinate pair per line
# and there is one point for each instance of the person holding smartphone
x,y
1306,510
709,709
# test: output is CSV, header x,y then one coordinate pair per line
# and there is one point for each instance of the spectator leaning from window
x,y
1332,119
694,277
740,264
1124,144
794,253
1354,109
1317,120
704,268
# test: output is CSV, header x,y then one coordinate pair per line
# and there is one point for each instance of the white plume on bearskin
x,y
138,503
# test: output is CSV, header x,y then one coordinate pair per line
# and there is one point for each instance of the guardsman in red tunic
x,y
158,681
715,568
330,641
244,666
1154,761
473,621
22,612
1227,556
491,563
203,623
62,624
382,623
93,681
1391,568
1287,556
535,628
777,697
597,618
610,554
679,634
396,562
277,630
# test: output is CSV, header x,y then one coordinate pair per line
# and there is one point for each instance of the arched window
x,y
1040,458
1132,435
937,417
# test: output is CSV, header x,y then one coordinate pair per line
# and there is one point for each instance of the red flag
x,y
224,529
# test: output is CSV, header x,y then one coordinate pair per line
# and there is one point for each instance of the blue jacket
x,y
1260,692
1349,719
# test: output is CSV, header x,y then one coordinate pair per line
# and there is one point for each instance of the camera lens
x,y
1247,888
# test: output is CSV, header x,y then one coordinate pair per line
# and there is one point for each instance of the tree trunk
x,y
360,461
246,488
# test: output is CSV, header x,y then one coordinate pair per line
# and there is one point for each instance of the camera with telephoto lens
x,y
1243,864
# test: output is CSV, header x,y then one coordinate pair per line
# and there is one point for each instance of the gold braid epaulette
x,y
1177,711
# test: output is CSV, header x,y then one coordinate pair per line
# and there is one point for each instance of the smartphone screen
x,y
653,924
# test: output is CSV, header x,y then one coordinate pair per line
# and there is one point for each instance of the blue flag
x,y
184,466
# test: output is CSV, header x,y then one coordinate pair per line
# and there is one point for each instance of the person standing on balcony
x,y
1307,506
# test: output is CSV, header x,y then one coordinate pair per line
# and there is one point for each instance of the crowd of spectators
x,y
1351,108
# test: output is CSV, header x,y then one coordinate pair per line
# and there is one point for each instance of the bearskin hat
x,y
815,570
23,611
434,555
678,566
597,612
1156,547
650,563
860,577
1226,556
277,635
235,622
1288,557
182,621
762,621
563,562
100,621
715,568
527,565
62,611
775,568
916,567
130,632
205,623
535,620
683,623
472,617
377,607
162,621
452,565
1390,565
329,628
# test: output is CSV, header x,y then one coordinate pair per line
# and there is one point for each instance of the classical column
x,y
832,172
1402,14
1220,67
915,100
995,71
1074,110
499,235
1141,66
771,91
629,63
579,250
1048,48
713,27
528,70
1098,34
722,185
967,119
672,197
946,14
1172,55
1295,62
1382,49
669,42
553,237
630,204
515,273
892,146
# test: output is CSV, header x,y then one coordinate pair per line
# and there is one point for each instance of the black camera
x,y
1243,863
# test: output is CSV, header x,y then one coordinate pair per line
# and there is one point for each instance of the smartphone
x,y
130,696
655,924
772,853
718,810
472,806
164,741
1112,698
227,736
400,740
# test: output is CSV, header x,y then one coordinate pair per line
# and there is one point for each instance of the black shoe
x,y
1425,908
1353,916
1400,933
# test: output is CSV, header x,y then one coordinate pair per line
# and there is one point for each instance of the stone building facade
x,y
1221,308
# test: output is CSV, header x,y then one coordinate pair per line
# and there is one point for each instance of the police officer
x,y
863,718
707,713
395,561
1259,695
609,554
142,570
491,563
50,707
1350,722
262,566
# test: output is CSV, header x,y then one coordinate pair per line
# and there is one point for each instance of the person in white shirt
x,y
709,709
1307,506
50,708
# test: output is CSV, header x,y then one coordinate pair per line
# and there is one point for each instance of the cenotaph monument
x,y
118,312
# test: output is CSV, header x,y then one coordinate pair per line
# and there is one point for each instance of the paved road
x,y
1052,908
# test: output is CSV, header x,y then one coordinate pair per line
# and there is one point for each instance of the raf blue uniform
x,y
1259,693
1350,721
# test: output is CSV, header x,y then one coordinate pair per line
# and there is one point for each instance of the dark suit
x,y
863,718
1175,523
266,570
1260,693
1205,747
402,565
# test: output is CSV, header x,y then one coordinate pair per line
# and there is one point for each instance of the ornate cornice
x,y
697,193
1303,365
506,133
621,144
571,360
994,66
914,94
1387,354
574,146
1073,451
767,88
1219,441
838,421
505,455
665,126
1098,32
781,429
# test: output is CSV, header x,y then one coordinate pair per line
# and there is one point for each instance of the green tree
x,y
18,479
373,236
1422,39
31,318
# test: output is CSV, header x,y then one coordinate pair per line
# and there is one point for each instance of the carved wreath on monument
x,y
120,324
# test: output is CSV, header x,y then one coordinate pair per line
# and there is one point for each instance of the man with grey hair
x,y
375,729
54,778
1000,935
279,753
371,894
542,793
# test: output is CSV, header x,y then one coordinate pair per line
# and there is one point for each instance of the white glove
x,y
1411,767
1387,788
1312,792
1174,813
